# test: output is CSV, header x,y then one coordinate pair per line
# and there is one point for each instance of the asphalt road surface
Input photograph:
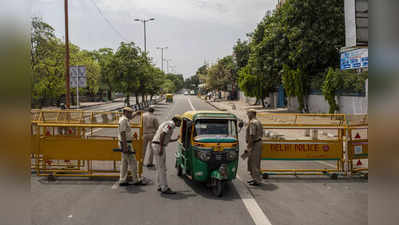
x,y
279,201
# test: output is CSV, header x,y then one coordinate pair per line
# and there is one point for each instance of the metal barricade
x,y
303,138
357,142
64,143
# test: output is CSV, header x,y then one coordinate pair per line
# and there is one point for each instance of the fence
x,y
64,143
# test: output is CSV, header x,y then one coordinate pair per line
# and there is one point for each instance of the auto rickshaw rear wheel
x,y
218,187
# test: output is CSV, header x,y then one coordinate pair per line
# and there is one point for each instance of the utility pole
x,y
68,94
167,64
144,21
162,48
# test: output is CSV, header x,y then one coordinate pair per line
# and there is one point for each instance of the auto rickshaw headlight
x,y
204,155
232,155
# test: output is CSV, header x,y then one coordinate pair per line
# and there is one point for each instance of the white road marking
x,y
258,216
95,130
191,104
327,164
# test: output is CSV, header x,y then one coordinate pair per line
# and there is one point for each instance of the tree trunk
x,y
263,99
137,98
151,97
143,98
109,94
128,100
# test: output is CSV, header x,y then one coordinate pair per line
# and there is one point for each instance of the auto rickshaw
x,y
208,148
169,98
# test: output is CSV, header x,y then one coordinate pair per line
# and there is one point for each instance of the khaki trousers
x,y
147,139
128,161
161,167
254,161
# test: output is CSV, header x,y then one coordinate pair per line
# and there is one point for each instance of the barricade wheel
x,y
265,176
334,176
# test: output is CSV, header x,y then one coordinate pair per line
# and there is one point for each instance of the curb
x,y
214,106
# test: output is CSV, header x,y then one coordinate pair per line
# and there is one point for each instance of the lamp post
x,y
162,48
68,94
144,21
167,64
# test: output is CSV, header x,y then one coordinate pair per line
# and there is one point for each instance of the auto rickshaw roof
x,y
169,94
194,115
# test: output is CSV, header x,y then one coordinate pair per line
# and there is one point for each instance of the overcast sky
x,y
195,31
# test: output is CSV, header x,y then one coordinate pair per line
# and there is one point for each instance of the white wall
x,y
347,104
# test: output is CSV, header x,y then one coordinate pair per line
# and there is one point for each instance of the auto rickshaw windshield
x,y
217,127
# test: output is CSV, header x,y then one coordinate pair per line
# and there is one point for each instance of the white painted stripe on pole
x,y
191,104
257,214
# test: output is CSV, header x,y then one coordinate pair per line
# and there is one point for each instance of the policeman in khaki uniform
x,y
161,140
150,125
125,137
254,135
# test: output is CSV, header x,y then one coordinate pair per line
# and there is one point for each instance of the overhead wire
x,y
109,22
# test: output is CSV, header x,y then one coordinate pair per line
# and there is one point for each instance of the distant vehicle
x,y
192,92
186,93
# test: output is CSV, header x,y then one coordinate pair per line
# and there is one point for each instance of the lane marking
x,y
191,104
95,130
257,214
327,164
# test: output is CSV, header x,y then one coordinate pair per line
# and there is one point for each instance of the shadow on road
x,y
314,180
201,189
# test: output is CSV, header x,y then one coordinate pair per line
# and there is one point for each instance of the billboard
x,y
355,59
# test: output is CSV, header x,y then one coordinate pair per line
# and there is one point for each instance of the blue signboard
x,y
355,59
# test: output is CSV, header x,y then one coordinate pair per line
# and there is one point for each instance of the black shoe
x,y
168,192
250,181
139,183
159,189
150,165
254,183
124,184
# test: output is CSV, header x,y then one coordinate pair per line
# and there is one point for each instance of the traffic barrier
x,y
296,146
73,149
357,142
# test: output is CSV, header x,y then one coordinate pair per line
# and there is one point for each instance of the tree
x,y
104,57
127,69
315,32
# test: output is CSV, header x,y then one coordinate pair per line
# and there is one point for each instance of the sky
x,y
195,31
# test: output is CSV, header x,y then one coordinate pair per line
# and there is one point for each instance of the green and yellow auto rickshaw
x,y
208,148
169,97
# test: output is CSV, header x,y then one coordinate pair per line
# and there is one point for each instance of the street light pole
x,y
144,21
167,65
162,48
68,94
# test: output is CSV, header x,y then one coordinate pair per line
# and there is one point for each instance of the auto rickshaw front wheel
x,y
179,170
218,187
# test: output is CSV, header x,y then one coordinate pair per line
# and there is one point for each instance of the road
x,y
279,201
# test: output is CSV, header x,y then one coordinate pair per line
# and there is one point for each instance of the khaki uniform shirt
x,y
150,123
124,125
254,130
166,127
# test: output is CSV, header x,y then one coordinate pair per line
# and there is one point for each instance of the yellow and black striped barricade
x,y
75,139
357,143
302,144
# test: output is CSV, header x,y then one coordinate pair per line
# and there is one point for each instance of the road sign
x,y
78,76
355,59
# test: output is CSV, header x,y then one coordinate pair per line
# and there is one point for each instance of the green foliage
x,y
293,81
341,81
